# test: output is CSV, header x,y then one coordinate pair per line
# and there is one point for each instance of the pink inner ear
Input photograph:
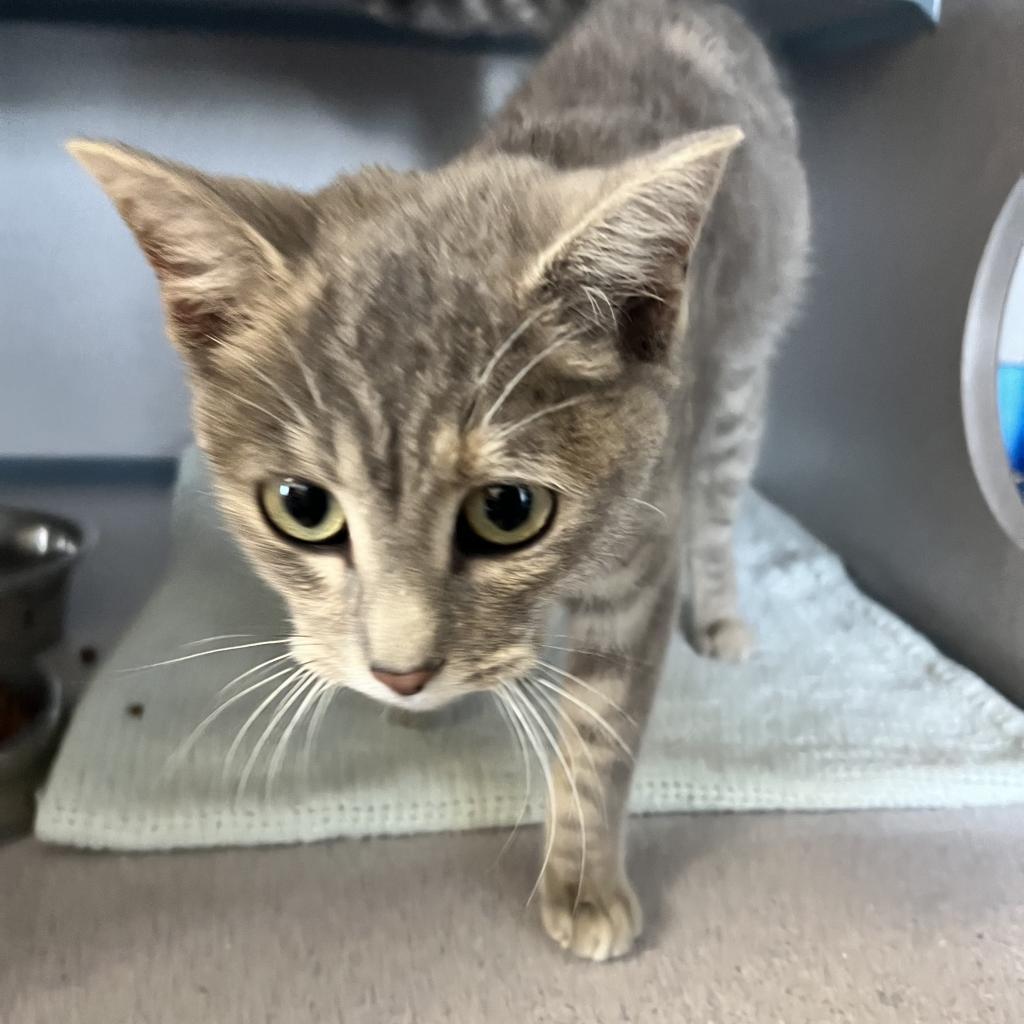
x,y
196,317
193,321
196,324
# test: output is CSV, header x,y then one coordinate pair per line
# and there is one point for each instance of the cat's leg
x,y
587,902
724,456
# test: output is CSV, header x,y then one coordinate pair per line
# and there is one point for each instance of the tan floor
x,y
761,919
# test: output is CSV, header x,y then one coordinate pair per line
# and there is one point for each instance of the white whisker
x,y
314,691
220,636
313,730
514,382
297,688
205,654
612,656
248,672
550,704
570,777
236,743
513,696
484,377
514,731
506,431
182,750
647,504
591,689
586,709
556,707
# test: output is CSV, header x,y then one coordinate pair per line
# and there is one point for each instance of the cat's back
x,y
636,73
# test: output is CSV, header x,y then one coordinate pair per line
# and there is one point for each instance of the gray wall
x,y
912,153
84,367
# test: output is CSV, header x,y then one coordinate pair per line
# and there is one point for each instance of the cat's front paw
x,y
728,639
604,922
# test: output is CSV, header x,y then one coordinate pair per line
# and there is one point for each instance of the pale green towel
x,y
844,706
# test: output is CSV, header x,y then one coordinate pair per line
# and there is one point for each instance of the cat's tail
x,y
530,19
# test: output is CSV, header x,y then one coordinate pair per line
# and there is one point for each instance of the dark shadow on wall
x,y
911,154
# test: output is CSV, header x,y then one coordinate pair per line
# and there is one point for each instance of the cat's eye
x,y
303,511
502,517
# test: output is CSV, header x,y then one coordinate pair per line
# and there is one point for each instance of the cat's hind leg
x,y
723,459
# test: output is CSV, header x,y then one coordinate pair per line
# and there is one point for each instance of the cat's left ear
x,y
203,236
622,265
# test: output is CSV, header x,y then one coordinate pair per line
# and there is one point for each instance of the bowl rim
x,y
53,564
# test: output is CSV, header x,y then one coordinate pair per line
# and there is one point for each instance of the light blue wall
x,y
84,368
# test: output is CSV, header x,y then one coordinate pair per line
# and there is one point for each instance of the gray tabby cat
x,y
437,405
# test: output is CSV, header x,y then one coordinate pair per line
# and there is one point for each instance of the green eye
x,y
503,516
303,512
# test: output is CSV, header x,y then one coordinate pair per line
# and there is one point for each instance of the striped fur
x,y
586,299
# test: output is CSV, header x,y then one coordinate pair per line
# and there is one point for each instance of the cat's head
x,y
430,400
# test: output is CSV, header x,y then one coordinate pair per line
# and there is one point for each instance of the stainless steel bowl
x,y
25,757
37,553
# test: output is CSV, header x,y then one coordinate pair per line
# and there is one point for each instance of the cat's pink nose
x,y
405,684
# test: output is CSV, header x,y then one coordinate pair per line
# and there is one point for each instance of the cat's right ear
x,y
216,270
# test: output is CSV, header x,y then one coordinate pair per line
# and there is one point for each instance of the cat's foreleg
x,y
598,708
